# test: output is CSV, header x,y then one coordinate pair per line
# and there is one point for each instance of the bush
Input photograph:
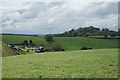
x,y
85,48
89,48
56,47
27,51
86,35
62,50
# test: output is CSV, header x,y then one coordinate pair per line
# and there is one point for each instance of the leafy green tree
x,y
74,34
49,38
31,43
25,42
112,35
105,35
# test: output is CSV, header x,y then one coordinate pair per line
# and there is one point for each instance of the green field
x,y
99,63
68,43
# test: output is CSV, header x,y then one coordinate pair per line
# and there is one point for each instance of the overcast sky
x,y
57,17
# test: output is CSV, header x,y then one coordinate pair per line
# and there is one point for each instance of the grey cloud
x,y
38,7
101,9
56,17
21,11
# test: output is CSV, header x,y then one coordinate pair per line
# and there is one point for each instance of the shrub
x,y
62,50
85,48
89,48
75,34
49,38
56,47
27,51
86,35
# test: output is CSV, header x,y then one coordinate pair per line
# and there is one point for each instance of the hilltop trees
x,y
105,30
82,31
93,31
75,34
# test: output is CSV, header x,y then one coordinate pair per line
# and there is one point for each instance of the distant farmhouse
x,y
35,48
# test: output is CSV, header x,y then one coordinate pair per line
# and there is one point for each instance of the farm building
x,y
35,48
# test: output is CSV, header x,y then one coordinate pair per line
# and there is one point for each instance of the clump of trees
x,y
49,38
75,34
105,35
30,43
56,47
112,35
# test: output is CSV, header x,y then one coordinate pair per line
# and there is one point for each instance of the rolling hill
x,y
68,43
101,62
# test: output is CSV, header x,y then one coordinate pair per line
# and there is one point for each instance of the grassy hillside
x,y
5,50
68,43
99,63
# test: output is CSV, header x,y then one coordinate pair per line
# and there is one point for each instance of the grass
x,y
97,63
68,43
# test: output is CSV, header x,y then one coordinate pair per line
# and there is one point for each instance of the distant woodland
x,y
88,31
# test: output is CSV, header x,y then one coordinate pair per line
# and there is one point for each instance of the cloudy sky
x,y
56,17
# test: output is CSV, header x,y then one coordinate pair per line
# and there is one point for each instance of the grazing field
x,y
99,63
68,43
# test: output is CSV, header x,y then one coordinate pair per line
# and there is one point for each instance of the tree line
x,y
88,31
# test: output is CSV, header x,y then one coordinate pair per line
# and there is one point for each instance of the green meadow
x,y
67,43
100,62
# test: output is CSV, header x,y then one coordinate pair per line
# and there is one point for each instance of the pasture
x,y
100,62
97,63
68,43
